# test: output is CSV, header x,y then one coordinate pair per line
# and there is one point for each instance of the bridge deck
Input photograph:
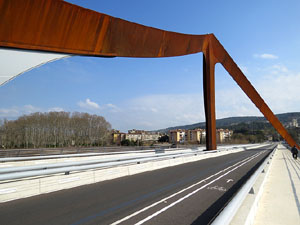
x,y
112,201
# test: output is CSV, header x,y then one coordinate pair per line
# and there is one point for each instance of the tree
x,y
55,129
164,138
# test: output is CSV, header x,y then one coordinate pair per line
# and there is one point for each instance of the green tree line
x,y
253,132
55,129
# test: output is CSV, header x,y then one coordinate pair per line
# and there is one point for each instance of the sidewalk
x,y
280,200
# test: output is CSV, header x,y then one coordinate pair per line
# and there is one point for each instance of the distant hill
x,y
230,121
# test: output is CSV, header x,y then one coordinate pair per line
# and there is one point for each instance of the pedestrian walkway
x,y
280,201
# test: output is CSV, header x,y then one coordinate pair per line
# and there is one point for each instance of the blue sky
x,y
261,36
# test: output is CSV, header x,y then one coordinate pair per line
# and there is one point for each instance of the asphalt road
x,y
191,193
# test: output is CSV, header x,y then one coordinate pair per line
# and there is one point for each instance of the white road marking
x,y
229,180
179,192
222,189
190,194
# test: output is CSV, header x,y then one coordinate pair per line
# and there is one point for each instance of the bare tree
x,y
54,129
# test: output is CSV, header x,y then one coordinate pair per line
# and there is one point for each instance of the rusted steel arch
x,y
58,26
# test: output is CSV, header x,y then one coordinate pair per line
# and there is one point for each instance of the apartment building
x,y
187,136
223,135
197,136
117,136
177,136
135,135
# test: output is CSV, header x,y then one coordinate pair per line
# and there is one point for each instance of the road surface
x,y
191,193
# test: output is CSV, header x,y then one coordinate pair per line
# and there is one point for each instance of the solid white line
x,y
190,194
177,193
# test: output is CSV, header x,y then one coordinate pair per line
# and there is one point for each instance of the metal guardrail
x,y
11,159
74,150
60,151
72,167
11,173
86,162
227,214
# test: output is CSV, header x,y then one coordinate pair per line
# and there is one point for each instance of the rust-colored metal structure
x,y
58,26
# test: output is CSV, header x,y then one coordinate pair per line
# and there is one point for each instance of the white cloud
x,y
278,69
234,102
154,110
30,109
151,112
111,105
9,112
88,104
281,89
112,108
14,112
277,85
266,56
55,109
159,111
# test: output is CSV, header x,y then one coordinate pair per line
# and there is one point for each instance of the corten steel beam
x,y
230,66
209,97
58,26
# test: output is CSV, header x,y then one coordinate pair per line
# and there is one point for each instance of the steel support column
x,y
209,99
